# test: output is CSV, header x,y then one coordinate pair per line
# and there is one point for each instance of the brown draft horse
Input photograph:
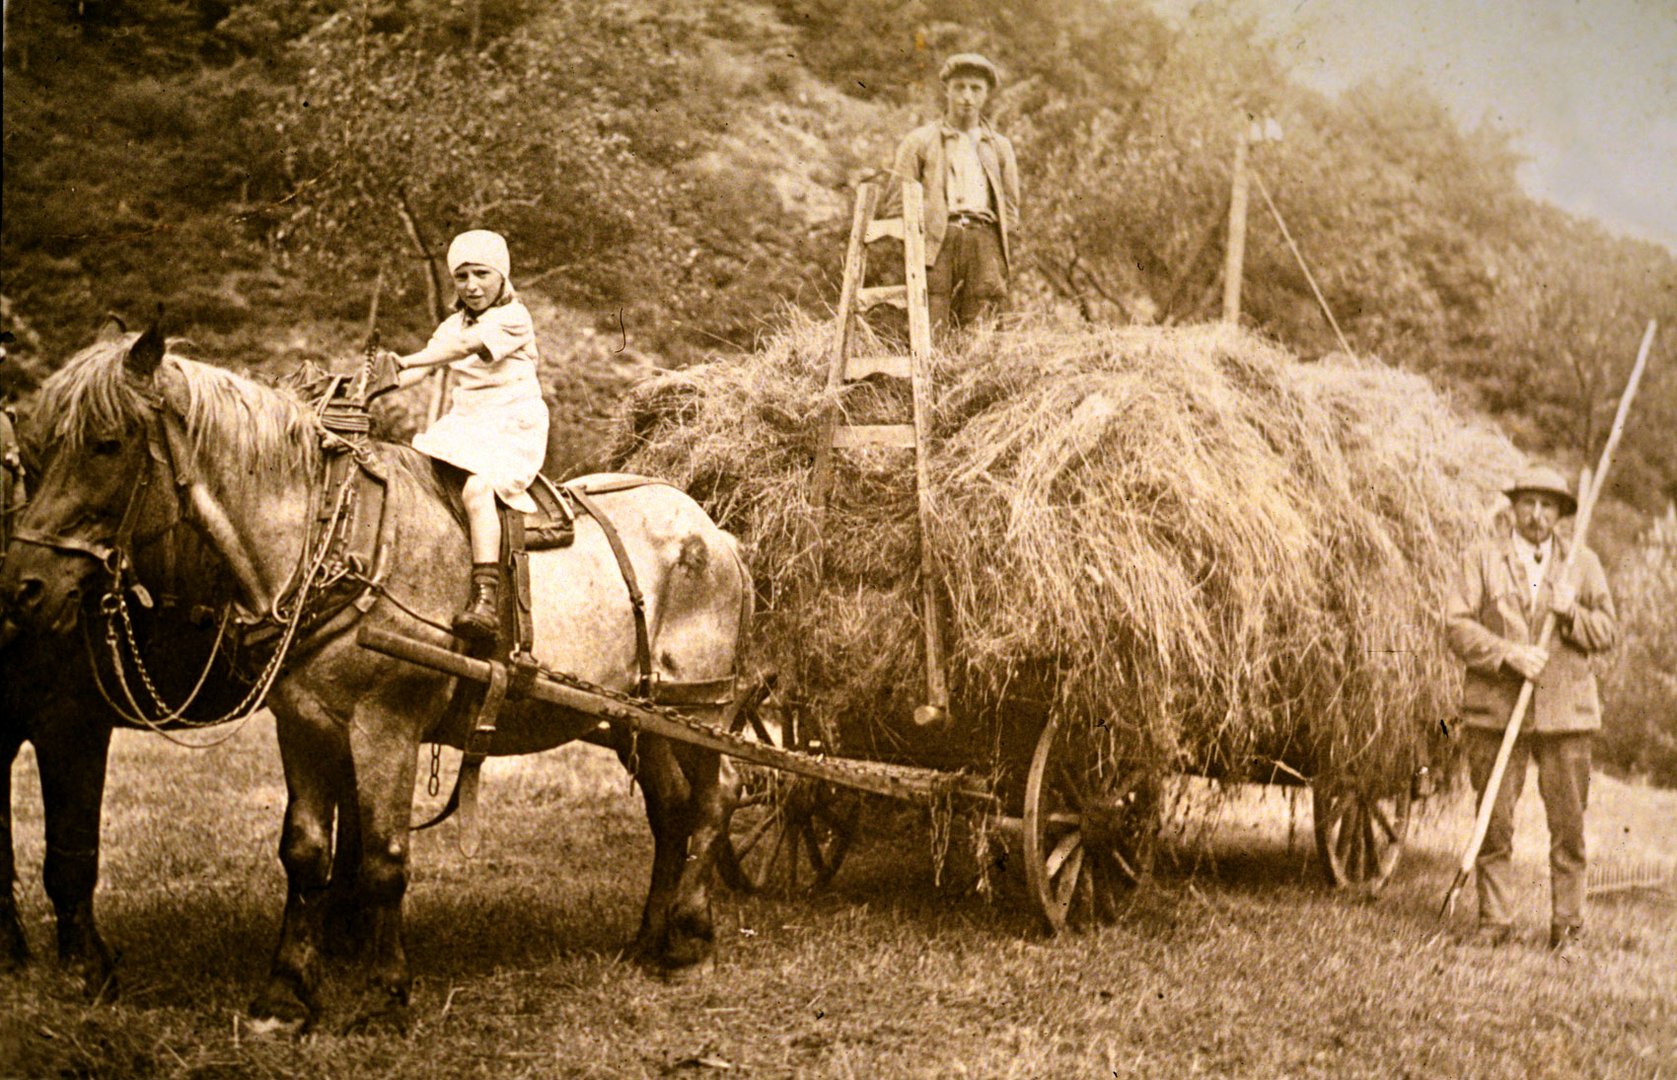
x,y
245,460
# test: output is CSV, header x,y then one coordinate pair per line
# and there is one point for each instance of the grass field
x,y
1235,963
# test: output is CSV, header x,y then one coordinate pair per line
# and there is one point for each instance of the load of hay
x,y
1235,559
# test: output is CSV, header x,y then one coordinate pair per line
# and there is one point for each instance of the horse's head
x,y
106,479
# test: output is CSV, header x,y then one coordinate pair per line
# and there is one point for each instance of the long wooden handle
x,y
1580,533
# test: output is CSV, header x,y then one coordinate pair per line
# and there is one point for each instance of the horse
x,y
245,460
64,694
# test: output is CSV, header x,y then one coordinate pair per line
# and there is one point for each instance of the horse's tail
x,y
748,602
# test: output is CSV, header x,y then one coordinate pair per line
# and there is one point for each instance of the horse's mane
x,y
93,396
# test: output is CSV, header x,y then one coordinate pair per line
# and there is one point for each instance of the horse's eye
x,y
107,447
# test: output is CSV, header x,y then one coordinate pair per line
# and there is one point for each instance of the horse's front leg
x,y
384,746
312,752
71,752
344,928
14,946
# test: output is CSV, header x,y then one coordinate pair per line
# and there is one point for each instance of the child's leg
x,y
482,519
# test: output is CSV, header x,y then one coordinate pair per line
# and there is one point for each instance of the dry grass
x,y
1183,532
1244,968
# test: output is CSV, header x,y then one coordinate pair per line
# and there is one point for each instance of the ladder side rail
x,y
920,354
855,272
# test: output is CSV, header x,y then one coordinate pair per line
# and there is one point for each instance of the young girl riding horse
x,y
496,425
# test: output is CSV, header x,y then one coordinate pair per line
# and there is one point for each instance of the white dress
x,y
496,424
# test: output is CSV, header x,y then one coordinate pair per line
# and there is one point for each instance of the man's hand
x,y
1528,660
1563,598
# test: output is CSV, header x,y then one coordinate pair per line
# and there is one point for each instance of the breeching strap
x,y
643,643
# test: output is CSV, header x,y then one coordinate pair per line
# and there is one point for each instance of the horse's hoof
x,y
279,1012
96,970
682,974
381,1013
101,987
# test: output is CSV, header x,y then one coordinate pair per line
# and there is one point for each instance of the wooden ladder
x,y
855,297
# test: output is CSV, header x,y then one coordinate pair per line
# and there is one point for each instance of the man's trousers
x,y
1563,780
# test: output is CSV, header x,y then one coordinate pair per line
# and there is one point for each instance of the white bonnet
x,y
482,247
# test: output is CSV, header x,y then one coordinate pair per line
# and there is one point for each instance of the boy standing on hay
x,y
1505,587
971,180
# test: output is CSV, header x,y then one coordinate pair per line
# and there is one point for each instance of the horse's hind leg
x,y
665,792
14,946
312,751
690,934
684,810
71,753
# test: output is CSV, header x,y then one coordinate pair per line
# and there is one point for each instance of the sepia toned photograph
x,y
838,538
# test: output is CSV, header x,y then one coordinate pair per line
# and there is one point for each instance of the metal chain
x,y
247,706
433,785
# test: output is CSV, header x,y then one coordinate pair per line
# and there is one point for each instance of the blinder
x,y
115,553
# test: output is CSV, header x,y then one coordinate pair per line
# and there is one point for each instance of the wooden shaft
x,y
1235,256
920,357
1580,533
898,782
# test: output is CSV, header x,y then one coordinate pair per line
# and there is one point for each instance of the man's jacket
x,y
921,156
1492,608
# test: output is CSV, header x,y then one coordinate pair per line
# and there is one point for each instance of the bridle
x,y
116,553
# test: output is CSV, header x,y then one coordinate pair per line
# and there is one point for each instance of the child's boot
x,y
480,618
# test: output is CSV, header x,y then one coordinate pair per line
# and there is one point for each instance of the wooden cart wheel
x,y
1091,821
1359,834
787,835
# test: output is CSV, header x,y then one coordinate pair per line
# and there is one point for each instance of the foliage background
x,y
280,174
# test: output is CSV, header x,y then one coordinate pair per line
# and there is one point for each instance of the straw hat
x,y
1544,480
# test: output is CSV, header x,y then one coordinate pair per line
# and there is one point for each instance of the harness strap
x,y
643,643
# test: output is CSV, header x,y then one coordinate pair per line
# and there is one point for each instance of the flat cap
x,y
970,61
1546,481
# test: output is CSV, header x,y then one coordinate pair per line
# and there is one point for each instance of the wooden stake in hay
x,y
1233,558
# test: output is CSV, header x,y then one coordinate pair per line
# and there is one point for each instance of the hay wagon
x,y
1067,788
1083,815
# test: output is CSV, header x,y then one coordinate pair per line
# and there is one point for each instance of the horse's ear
x,y
112,328
146,352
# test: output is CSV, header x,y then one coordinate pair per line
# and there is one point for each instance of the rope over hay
x,y
1232,558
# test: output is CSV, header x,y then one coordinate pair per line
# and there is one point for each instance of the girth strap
x,y
643,642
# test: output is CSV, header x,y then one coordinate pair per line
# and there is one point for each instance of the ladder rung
x,y
895,295
899,435
860,367
880,228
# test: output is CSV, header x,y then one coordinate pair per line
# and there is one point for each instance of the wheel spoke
x,y
1344,839
752,838
1071,841
1386,826
812,844
1066,883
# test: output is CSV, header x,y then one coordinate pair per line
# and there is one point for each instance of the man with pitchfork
x,y
1505,587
